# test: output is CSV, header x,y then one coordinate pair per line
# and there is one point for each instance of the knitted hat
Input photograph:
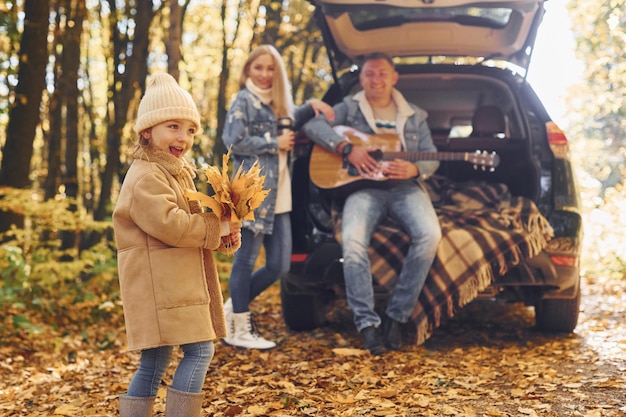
x,y
165,100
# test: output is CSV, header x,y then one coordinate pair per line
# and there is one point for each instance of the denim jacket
x,y
355,111
251,133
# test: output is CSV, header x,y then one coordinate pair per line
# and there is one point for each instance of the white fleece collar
x,y
404,111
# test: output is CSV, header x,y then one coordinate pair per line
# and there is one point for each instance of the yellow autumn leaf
x,y
206,201
235,198
67,410
342,400
349,352
256,410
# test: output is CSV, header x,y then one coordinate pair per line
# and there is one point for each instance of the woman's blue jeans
x,y
246,285
363,210
189,375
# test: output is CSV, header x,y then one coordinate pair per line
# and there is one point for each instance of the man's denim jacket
x,y
354,111
251,133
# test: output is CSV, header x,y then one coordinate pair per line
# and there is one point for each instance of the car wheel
x,y
558,316
302,310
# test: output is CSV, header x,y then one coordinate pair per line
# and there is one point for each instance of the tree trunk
x,y
173,44
219,148
70,65
52,138
24,114
129,73
228,40
274,15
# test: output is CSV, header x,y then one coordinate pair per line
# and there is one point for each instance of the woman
x,y
252,133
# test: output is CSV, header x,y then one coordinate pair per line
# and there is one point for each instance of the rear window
x,y
370,17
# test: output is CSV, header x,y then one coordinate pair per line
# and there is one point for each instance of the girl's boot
x,y
245,335
183,404
136,406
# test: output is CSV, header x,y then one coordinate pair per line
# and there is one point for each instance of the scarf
x,y
264,94
180,168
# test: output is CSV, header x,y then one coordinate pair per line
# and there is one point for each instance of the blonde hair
x,y
282,104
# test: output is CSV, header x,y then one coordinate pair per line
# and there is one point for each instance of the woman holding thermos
x,y
257,128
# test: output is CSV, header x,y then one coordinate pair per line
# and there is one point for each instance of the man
x,y
380,108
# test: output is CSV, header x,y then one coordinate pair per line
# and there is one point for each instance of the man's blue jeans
x,y
410,205
246,285
189,375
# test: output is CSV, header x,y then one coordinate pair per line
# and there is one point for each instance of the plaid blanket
x,y
485,231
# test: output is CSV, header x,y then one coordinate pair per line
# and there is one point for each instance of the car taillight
x,y
564,260
555,134
299,257
557,140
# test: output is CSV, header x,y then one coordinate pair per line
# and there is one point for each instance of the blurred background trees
x,y
72,73
74,70
598,103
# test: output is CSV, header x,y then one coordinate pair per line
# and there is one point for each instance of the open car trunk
x,y
452,99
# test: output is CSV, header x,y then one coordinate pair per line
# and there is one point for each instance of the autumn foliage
x,y
234,197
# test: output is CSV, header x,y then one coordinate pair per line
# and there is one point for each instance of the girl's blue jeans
x,y
189,376
246,285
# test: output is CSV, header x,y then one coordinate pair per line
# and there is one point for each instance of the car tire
x,y
558,315
302,311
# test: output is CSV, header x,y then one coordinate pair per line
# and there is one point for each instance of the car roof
x,y
486,29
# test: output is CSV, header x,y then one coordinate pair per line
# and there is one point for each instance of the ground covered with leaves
x,y
488,361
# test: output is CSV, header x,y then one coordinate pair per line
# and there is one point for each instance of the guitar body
x,y
329,171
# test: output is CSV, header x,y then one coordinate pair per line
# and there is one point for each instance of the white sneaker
x,y
245,334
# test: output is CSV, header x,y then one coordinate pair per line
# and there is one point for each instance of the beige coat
x,y
168,279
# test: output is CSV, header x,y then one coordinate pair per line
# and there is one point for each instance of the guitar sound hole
x,y
354,172
377,155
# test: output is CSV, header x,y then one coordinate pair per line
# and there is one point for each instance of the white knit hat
x,y
165,100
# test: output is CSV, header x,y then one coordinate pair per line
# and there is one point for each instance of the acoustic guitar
x,y
330,171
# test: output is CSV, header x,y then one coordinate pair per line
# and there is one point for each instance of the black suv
x,y
461,63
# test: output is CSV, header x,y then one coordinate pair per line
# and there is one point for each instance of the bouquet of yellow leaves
x,y
236,198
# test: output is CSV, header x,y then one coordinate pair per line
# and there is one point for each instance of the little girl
x,y
168,278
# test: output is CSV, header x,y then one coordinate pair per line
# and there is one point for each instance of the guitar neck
x,y
426,156
329,171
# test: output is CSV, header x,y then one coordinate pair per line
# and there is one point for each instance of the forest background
x,y
72,73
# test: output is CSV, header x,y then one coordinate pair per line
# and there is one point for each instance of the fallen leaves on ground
x,y
488,361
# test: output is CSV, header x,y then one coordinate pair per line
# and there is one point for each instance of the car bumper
x,y
554,281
